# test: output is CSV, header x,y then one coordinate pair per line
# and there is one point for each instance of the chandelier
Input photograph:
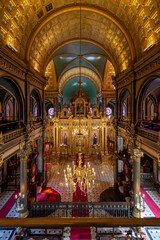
x,y
81,175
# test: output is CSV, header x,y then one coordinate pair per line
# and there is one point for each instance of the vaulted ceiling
x,y
37,29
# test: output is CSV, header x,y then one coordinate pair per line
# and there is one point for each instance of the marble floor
x,y
104,179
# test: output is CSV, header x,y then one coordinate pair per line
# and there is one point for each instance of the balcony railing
x,y
84,209
149,134
13,134
123,124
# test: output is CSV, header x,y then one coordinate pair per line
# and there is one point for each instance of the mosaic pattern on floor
x,y
104,179
7,233
153,233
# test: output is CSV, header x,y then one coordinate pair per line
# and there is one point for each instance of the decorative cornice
x,y
9,67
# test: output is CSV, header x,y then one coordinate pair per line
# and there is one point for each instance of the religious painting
x,y
65,137
46,149
80,106
94,137
110,146
95,113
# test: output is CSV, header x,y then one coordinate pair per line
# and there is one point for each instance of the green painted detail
x,y
71,88
74,48
98,61
61,62
76,63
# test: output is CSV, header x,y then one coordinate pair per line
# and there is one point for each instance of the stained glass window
x,y
51,111
108,111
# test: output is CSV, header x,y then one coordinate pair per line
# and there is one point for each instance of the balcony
x,y
149,134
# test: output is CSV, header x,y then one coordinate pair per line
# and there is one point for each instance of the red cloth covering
x,y
82,159
78,233
49,195
42,197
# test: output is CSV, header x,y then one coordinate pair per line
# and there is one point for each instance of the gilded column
x,y
136,178
23,182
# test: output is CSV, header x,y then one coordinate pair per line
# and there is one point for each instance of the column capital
x,y
137,154
24,155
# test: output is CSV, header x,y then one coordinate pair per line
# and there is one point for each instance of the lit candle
x,y
16,200
93,182
64,170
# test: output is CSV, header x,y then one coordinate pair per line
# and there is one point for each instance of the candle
x,y
73,162
22,200
93,182
16,200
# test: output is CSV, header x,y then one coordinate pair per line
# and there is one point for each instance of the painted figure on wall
x,y
94,138
65,138
80,107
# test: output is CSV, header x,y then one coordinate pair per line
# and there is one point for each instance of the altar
x,y
79,122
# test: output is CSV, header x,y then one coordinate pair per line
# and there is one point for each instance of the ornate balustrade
x,y
122,124
13,134
81,209
149,134
37,124
147,180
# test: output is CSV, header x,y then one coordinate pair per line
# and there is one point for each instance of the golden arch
x,y
106,14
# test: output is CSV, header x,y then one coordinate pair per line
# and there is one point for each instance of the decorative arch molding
x,y
37,96
140,95
67,9
11,86
121,99
107,51
76,72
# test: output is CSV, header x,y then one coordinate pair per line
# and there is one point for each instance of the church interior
x,y
80,119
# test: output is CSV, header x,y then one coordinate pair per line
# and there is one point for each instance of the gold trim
x,y
67,9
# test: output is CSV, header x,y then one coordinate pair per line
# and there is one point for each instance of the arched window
x,y
35,110
152,111
7,111
51,112
124,111
108,112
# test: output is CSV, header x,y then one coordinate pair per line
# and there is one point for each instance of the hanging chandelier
x,y
81,175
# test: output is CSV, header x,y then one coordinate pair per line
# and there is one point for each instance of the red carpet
x,y
78,233
9,204
151,204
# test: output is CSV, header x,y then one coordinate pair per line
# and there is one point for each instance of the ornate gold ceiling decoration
x,y
133,23
65,26
75,72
